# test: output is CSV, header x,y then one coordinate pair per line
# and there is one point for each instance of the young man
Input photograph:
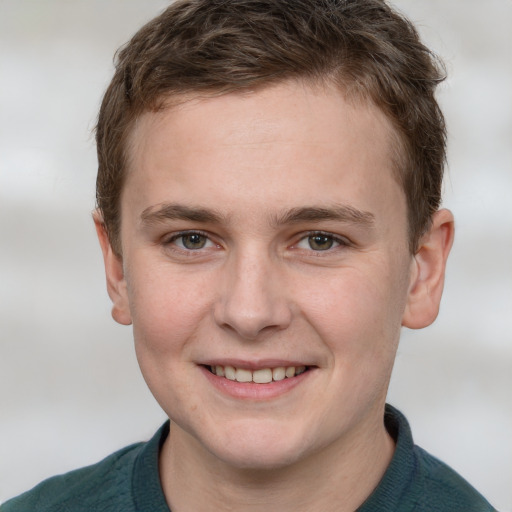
x,y
268,209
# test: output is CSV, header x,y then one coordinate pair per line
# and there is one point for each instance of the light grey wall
x,y
70,390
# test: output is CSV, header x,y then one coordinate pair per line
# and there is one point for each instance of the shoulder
x,y
415,481
105,485
445,489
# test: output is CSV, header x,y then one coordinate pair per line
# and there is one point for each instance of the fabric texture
x,y
128,481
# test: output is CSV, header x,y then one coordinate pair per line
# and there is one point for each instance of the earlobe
x,y
427,274
116,284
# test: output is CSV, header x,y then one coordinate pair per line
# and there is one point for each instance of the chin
x,y
260,459
252,448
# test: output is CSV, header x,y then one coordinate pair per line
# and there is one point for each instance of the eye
x,y
320,242
191,241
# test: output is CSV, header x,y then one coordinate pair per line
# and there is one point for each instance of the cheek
x,y
166,309
166,312
358,312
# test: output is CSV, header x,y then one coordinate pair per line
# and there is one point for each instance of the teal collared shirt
x,y
415,481
128,481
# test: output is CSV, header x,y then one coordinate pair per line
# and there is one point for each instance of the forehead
x,y
291,144
317,105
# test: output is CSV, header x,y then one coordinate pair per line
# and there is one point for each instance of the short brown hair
x,y
219,46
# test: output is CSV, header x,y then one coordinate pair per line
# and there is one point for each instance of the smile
x,y
261,376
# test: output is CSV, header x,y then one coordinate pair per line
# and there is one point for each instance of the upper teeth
x,y
262,376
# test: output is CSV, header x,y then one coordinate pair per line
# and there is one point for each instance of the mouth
x,y
260,376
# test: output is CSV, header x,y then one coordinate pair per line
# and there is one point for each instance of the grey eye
x,y
193,241
320,242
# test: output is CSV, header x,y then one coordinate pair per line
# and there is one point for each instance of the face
x,y
265,270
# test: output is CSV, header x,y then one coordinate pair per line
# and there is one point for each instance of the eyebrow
x,y
168,211
340,213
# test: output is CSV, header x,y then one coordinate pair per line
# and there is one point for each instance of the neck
x,y
337,478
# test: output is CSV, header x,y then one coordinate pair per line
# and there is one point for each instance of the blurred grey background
x,y
70,388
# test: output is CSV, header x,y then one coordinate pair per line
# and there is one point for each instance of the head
x,y
202,48
268,191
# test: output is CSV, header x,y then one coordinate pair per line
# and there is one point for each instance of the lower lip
x,y
251,390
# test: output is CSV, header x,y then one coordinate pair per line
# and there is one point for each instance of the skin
x,y
251,179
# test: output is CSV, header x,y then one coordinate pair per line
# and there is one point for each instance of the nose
x,y
253,297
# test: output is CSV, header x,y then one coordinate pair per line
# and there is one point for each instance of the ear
x,y
116,284
427,275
